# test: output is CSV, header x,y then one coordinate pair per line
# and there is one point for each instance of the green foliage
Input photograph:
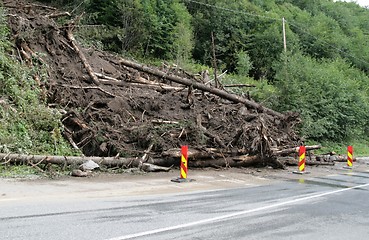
x,y
231,31
152,28
331,96
116,25
17,171
244,64
258,90
183,39
360,147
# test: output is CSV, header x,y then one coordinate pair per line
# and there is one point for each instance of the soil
x,y
125,118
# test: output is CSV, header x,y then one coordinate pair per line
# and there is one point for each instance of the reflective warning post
x,y
183,166
302,160
350,157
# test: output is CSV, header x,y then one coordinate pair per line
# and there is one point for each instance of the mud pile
x,y
127,111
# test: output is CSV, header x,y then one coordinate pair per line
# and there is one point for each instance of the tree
x,y
244,64
329,94
169,31
152,28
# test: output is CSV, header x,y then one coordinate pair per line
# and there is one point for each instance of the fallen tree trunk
x,y
239,85
246,161
241,161
148,167
289,161
287,151
88,67
70,160
56,15
208,153
203,87
215,153
342,158
141,85
310,163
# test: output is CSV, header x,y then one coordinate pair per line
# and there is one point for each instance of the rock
x,y
148,167
89,166
79,173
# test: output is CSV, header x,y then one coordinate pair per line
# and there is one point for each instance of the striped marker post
x,y
184,166
302,160
184,160
350,154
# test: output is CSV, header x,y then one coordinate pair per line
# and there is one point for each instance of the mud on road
x,y
102,185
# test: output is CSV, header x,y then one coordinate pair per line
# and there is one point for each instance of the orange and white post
x,y
350,154
184,162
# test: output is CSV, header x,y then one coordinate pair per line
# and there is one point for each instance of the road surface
x,y
218,205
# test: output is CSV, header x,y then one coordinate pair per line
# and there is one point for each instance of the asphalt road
x,y
334,206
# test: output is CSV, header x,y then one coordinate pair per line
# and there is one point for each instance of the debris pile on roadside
x,y
114,108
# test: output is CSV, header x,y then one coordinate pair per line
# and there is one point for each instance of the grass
x,y
29,172
361,147
20,171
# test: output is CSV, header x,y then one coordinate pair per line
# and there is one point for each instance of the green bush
x,y
331,96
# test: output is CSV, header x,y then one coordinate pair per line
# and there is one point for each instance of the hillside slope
x,y
118,110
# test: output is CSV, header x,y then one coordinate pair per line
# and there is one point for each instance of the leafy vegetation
x,y
331,95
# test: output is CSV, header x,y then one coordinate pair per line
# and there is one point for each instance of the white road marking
x,y
227,216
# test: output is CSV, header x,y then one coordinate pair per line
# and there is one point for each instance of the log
x,y
245,161
291,161
88,87
192,154
78,160
214,152
156,87
148,167
147,151
88,67
295,162
106,77
203,87
57,15
287,151
26,48
39,6
239,85
136,82
69,160
342,158
242,161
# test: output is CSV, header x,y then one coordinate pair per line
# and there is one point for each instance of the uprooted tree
x,y
116,109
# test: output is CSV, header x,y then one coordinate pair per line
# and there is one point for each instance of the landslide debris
x,y
112,109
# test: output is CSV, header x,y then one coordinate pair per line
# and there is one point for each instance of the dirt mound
x,y
113,109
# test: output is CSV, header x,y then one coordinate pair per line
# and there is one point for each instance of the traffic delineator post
x,y
184,162
302,161
183,166
350,157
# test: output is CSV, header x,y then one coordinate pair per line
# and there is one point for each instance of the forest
x,y
304,56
